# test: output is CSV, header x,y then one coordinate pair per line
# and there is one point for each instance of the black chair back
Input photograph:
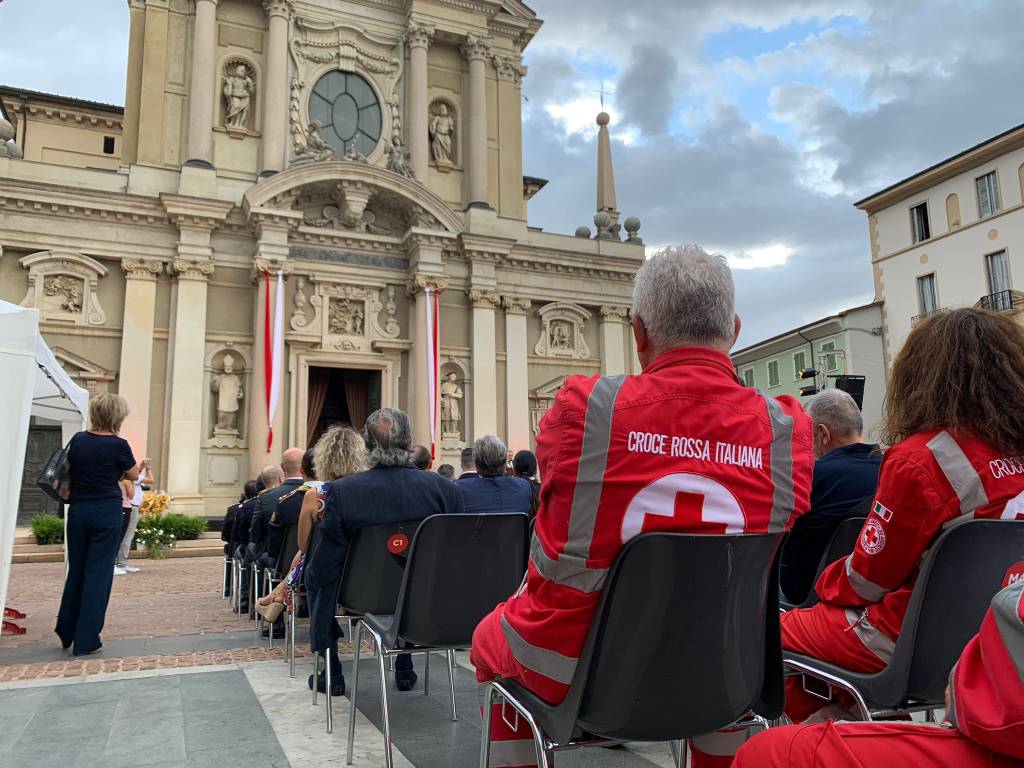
x,y
286,554
844,539
963,570
372,575
685,640
460,567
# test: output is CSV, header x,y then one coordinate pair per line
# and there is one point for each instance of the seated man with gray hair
x,y
490,489
392,490
845,474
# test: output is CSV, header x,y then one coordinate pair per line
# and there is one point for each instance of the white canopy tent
x,y
32,384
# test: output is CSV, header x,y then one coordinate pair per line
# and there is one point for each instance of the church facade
x,y
308,209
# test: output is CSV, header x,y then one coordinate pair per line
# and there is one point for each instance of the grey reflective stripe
x,y
725,743
597,434
866,589
540,660
951,710
873,638
514,752
957,520
1006,608
567,570
781,459
959,472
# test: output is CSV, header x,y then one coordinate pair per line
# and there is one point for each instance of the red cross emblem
x,y
872,538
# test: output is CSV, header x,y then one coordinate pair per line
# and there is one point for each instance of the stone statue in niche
x,y
391,327
345,317
62,293
451,413
399,159
561,336
299,301
228,387
316,149
238,89
442,133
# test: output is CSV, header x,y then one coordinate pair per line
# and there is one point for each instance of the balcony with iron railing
x,y
918,318
1002,301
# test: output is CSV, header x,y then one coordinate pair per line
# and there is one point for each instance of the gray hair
x,y
685,297
271,476
489,456
388,435
838,411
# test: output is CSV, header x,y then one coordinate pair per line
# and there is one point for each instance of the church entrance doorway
x,y
43,440
340,396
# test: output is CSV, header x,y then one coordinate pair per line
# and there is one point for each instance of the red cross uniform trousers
x,y
985,726
927,483
682,447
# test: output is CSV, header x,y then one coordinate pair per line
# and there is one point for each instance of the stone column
x,y
148,139
418,37
419,399
275,86
202,85
517,379
484,363
613,359
136,367
476,51
196,221
510,71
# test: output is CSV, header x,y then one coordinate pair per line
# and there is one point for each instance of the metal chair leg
x,y
485,729
327,693
316,673
680,752
451,681
291,642
384,716
426,673
353,712
545,756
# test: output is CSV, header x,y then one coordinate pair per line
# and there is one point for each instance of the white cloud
x,y
775,255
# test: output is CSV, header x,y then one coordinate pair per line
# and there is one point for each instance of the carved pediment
x,y
86,373
541,399
561,332
63,285
344,316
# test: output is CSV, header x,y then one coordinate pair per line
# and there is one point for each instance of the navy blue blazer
x,y
494,494
375,497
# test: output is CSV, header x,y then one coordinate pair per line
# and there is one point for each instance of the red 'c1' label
x,y
398,542
1014,574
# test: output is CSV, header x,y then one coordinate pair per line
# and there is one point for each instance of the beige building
x,y
848,343
950,236
369,153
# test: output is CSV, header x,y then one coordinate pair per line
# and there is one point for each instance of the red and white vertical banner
x,y
433,364
273,351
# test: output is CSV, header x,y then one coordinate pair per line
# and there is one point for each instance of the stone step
x,y
37,548
54,553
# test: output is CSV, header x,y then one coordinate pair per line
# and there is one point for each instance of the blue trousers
x,y
93,533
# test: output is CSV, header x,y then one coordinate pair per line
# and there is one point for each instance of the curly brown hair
x,y
960,369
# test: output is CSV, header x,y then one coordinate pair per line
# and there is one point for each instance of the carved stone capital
x,y
509,69
516,305
419,35
141,269
184,269
273,266
476,48
421,281
613,314
482,299
279,8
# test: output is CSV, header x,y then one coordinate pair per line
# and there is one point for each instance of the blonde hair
x,y
107,412
339,453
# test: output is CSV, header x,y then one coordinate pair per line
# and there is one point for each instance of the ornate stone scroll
x,y
63,285
561,332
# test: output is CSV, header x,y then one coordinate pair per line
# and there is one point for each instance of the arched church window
x,y
348,112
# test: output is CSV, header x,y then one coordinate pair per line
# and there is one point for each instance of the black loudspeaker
x,y
853,386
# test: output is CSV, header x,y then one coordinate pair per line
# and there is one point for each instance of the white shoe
x,y
129,568
119,571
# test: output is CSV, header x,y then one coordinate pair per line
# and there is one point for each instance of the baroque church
x,y
305,210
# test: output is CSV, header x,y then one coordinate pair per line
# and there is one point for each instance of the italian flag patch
x,y
882,511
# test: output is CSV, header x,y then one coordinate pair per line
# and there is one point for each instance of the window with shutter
x,y
799,363
926,296
919,222
988,194
773,373
748,377
831,360
998,273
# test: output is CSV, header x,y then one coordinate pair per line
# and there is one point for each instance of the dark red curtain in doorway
x,y
357,396
318,380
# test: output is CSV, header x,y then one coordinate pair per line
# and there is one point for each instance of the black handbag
x,y
55,479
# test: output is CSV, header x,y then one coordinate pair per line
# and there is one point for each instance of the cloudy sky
x,y
748,126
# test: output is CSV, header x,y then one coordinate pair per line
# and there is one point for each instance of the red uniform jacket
x,y
928,482
986,687
682,447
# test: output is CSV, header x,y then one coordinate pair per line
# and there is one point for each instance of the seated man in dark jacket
x,y
845,473
240,533
288,478
490,489
392,490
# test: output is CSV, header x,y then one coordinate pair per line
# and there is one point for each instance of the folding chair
x,y
959,575
460,567
843,540
273,577
684,642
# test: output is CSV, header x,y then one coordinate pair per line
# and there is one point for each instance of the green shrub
x,y
48,529
184,527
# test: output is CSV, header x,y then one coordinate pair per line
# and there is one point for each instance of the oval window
x,y
348,112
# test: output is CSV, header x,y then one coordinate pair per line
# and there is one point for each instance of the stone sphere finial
x,y
14,151
632,224
6,131
602,220
603,119
583,232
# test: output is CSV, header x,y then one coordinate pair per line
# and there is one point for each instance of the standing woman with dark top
x,y
97,459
